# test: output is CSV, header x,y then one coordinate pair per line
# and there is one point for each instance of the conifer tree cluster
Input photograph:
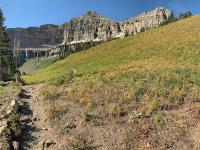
x,y
6,69
173,18
185,15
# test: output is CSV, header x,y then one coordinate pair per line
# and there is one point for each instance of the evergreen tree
x,y
5,70
126,34
185,15
142,29
172,18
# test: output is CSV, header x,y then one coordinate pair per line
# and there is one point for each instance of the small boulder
x,y
9,111
15,145
3,122
21,104
14,104
25,119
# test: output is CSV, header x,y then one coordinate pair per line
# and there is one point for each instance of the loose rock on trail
x,y
37,134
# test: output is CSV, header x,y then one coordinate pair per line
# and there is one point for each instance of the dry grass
x,y
50,93
147,82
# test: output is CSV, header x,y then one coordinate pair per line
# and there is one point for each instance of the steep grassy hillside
x,y
145,86
175,45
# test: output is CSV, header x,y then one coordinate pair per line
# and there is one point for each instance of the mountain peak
x,y
93,14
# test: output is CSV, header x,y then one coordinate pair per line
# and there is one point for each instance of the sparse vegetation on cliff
x,y
172,18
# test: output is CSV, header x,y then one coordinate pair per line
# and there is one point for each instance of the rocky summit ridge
x,y
89,27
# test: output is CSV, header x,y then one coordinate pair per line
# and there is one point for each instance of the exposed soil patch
x,y
37,133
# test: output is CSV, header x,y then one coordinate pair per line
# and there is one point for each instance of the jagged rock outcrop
x,y
146,20
90,27
94,27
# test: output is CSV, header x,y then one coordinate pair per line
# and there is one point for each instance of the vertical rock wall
x,y
94,27
87,28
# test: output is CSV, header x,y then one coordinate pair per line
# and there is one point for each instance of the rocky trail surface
x,y
38,134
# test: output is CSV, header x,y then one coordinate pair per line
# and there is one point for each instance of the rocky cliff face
x,y
90,27
35,36
94,27
146,20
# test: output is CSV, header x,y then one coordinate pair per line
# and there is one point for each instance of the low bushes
x,y
50,93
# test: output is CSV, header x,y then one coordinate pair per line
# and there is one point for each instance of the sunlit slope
x,y
174,45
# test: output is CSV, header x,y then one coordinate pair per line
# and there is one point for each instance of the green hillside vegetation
x,y
150,80
1,90
33,65
160,65
172,46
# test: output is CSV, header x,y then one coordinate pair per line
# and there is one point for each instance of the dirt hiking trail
x,y
38,134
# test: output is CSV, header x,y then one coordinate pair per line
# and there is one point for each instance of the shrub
x,y
57,81
6,132
88,103
78,143
113,109
86,116
158,120
56,113
14,117
140,89
154,105
50,93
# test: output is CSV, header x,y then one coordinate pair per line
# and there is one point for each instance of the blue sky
x,y
25,13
